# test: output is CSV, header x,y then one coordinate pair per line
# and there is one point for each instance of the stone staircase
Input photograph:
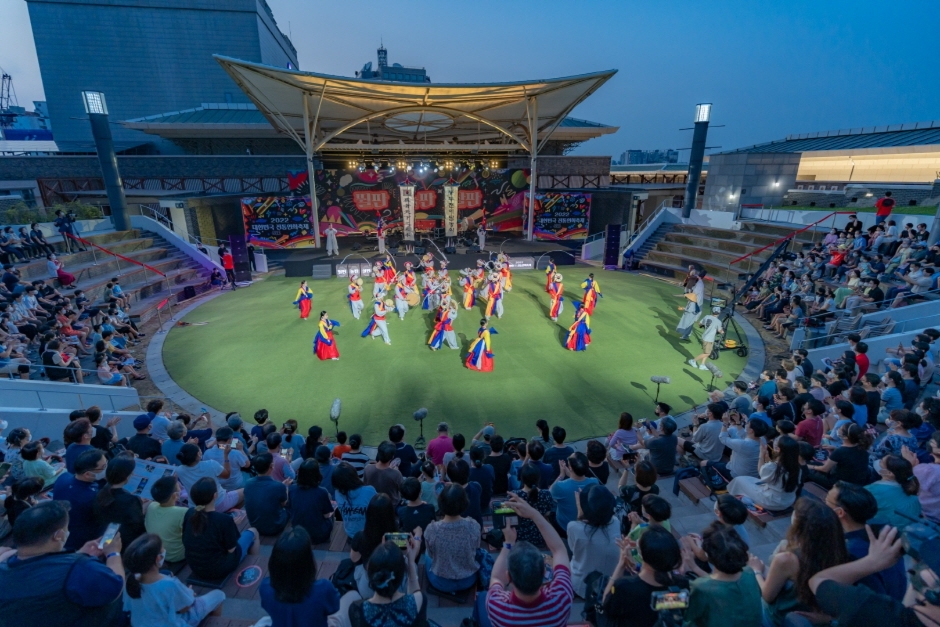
x,y
682,245
145,288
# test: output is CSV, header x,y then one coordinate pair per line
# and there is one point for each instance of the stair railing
x,y
642,226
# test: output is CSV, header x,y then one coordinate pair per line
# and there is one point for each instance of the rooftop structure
x,y
393,72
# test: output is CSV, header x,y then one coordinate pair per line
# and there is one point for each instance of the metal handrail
x,y
645,223
788,236
168,223
625,227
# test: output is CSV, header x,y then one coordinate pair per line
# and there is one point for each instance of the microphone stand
x,y
420,443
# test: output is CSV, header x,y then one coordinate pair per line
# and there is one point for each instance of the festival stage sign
x,y
561,215
407,196
450,210
276,221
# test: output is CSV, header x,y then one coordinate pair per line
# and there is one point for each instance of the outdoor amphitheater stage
x,y
253,351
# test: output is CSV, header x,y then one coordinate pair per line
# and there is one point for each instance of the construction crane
x,y
7,99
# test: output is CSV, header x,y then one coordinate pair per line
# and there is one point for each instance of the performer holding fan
x,y
324,344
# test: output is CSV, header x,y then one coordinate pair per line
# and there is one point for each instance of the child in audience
x,y
415,513
35,466
341,446
656,512
430,486
165,519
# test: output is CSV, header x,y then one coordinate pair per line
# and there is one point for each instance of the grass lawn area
x,y
256,352
909,211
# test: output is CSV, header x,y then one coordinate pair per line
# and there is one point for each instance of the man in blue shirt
x,y
558,452
81,491
44,585
854,505
266,499
571,479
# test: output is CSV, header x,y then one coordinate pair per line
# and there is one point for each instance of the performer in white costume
x,y
377,325
693,308
332,248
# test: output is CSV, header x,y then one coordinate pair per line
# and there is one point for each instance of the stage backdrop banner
x,y
562,215
407,197
450,210
276,221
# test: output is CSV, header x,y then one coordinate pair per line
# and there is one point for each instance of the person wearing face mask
x,y
47,585
81,492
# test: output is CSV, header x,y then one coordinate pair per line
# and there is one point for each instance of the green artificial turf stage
x,y
256,352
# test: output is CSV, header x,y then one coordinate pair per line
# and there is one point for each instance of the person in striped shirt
x,y
530,602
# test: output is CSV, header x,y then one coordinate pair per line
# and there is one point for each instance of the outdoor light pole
x,y
697,157
97,110
532,109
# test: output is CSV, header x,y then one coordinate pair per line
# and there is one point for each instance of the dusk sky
x,y
770,68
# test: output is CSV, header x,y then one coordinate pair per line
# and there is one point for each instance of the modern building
x,y
393,72
147,57
639,157
844,168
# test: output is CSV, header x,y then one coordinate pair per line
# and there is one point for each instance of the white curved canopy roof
x,y
389,116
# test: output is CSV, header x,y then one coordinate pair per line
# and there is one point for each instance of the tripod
x,y
421,443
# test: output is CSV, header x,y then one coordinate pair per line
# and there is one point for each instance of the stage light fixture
x,y
494,164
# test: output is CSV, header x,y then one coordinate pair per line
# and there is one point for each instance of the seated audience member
x,y
266,499
540,500
661,445
352,498
379,519
290,439
814,542
779,477
627,597
165,518
460,443
530,601
415,512
143,444
291,594
896,492
35,466
704,443
214,547
154,598
598,466
381,475
193,468
452,544
730,595
159,421
389,606
733,513
482,474
439,446
326,465
281,457
592,537
900,425
849,462
573,479
175,433
459,472
559,451
114,504
535,451
928,475
620,445
645,483
309,503
77,437
746,442
811,428
855,506
355,457
404,452
48,583
227,443
501,463
81,490
23,495
340,447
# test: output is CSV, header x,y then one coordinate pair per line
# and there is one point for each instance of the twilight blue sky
x,y
770,67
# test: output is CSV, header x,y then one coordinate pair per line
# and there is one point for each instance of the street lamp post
x,y
703,113
97,109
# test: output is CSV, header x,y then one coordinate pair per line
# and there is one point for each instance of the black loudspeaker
x,y
474,249
450,250
188,292
612,246
239,249
420,250
357,246
321,271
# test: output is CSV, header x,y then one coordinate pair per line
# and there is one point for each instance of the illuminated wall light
x,y
703,112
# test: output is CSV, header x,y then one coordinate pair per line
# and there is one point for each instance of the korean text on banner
x,y
450,210
407,195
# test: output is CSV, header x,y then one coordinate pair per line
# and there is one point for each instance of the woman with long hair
x,y
57,271
381,518
114,504
779,476
352,498
309,504
24,494
291,439
324,344
304,300
541,500
390,607
154,598
896,492
214,547
619,443
592,537
291,594
627,598
849,462
542,425
815,542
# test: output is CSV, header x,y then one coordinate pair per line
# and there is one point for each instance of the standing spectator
x,y
501,463
355,457
529,602
81,491
193,468
559,451
63,222
46,583
404,452
855,506
661,445
266,499
352,498
622,441
592,537
228,264
165,518
309,503
884,206
114,504
779,477
572,479
452,544
440,445
214,547
597,461
381,475
153,598
291,594
896,493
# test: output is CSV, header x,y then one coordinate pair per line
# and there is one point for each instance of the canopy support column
x,y
309,139
532,109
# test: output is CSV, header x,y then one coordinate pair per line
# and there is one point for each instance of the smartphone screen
x,y
400,539
670,600
5,468
284,452
109,534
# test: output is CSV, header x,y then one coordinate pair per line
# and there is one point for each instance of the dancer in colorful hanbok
x,y
550,270
505,277
427,260
579,333
555,290
444,328
494,297
355,295
401,296
481,357
409,274
377,325
388,267
324,344
591,292
304,300
380,285
429,298
479,275
469,294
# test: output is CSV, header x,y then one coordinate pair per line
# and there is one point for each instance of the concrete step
x,y
713,243
777,231
706,254
146,308
137,278
717,271
743,237
77,262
